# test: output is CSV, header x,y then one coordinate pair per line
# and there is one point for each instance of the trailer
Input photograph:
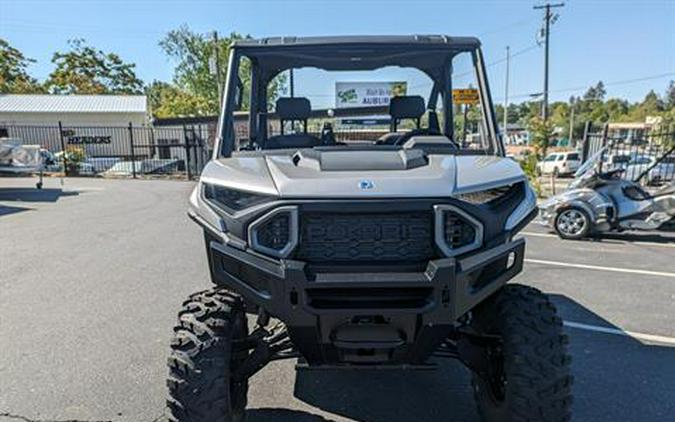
x,y
17,158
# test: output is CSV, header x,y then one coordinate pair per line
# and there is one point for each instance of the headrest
x,y
296,108
406,107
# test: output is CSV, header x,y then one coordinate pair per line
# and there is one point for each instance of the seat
x,y
293,109
400,108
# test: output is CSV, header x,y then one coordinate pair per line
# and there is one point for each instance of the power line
x,y
614,83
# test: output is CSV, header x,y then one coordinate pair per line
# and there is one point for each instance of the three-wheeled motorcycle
x,y
602,200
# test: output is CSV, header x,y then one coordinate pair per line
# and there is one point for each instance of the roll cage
x,y
431,54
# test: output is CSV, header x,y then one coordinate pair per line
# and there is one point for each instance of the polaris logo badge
x,y
366,184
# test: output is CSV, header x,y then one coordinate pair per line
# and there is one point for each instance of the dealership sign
x,y
367,94
74,139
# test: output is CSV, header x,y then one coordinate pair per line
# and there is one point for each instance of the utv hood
x,y
362,174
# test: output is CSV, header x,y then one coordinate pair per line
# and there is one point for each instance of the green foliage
x,y
669,98
14,77
86,70
167,100
596,93
529,166
192,52
541,134
592,106
74,156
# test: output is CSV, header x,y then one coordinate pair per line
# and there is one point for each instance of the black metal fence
x,y
648,158
130,151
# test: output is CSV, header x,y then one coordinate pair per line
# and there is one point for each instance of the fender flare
x,y
577,204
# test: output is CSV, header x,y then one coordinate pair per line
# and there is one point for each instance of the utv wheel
x,y
529,376
203,359
572,223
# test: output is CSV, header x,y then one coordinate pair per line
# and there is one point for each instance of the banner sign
x,y
465,96
367,94
364,94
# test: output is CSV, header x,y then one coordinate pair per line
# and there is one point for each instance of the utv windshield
x,y
363,92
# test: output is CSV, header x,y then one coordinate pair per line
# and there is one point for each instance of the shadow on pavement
x,y
391,396
638,237
33,194
616,378
282,415
7,210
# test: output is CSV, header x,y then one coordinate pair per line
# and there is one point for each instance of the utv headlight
x,y
456,232
275,233
484,196
231,199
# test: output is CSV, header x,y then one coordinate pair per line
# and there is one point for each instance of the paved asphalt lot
x,y
92,274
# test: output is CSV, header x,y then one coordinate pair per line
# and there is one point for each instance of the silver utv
x,y
599,201
358,248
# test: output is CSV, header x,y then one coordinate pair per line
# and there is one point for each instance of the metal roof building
x,y
74,110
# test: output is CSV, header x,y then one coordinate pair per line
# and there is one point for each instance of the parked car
x,y
559,164
662,172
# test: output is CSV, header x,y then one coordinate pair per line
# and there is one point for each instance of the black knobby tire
x,y
533,361
585,231
202,359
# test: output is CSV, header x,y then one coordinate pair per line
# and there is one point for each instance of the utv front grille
x,y
369,298
377,238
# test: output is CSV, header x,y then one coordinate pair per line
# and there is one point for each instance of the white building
x,y
97,123
73,110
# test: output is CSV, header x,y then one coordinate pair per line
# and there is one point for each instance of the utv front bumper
x,y
365,317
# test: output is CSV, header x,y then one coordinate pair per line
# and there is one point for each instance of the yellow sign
x,y
465,96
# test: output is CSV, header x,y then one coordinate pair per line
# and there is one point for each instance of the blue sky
x,y
613,41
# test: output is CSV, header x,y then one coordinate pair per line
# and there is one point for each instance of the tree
x,y
669,98
193,51
14,77
541,134
596,93
167,100
85,70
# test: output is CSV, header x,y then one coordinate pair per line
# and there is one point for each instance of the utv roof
x,y
426,52
413,41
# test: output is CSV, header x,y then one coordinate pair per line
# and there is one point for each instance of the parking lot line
x,y
599,268
636,242
616,331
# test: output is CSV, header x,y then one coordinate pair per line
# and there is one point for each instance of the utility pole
x,y
216,69
506,95
547,31
572,108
